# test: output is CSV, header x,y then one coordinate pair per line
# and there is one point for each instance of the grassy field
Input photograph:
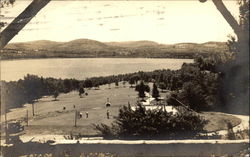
x,y
51,118
218,121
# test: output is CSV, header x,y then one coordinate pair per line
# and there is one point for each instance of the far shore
x,y
30,58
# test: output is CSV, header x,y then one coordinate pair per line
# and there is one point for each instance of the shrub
x,y
142,123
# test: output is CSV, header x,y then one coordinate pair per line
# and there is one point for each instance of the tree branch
x,y
20,21
228,16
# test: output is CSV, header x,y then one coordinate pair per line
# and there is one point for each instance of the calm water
x,y
81,68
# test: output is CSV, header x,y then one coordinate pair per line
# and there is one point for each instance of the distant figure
x,y
229,125
87,115
74,106
64,108
108,103
108,114
80,114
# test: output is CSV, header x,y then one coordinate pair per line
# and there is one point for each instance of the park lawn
x,y
218,121
50,118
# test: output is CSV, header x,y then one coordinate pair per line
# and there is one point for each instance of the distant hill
x,y
133,43
93,48
74,45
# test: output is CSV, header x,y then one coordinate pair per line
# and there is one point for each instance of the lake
x,y
81,68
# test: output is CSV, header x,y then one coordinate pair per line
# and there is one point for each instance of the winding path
x,y
242,126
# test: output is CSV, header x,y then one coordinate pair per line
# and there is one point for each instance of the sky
x,y
165,22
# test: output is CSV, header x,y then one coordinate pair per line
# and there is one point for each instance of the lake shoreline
x,y
82,68
119,57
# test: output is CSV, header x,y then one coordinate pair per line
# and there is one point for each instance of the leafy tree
x,y
174,82
193,95
96,85
135,78
147,88
124,83
6,3
67,85
162,86
88,83
116,83
131,82
56,94
236,80
81,91
141,89
155,92
171,99
161,78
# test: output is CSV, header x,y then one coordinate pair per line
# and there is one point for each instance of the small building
x,y
155,107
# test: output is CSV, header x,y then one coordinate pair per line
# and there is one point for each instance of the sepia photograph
x,y
124,78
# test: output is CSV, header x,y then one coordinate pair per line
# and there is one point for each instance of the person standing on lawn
x,y
108,114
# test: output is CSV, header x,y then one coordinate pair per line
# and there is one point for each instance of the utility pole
x,y
75,117
5,116
33,110
164,107
27,117
6,127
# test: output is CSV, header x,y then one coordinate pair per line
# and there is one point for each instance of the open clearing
x,y
50,118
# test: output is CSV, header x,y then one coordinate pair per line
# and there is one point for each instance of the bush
x,y
142,123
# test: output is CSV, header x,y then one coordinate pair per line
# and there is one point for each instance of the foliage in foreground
x,y
142,123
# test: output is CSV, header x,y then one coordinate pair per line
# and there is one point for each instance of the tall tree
x,y
116,83
56,94
155,92
81,91
88,83
124,83
236,80
131,82
141,89
241,28
162,86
